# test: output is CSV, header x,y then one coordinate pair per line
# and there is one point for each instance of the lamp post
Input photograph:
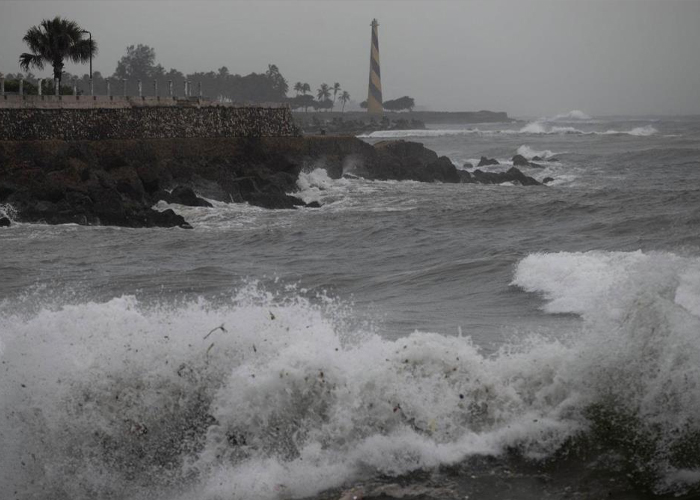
x,y
92,89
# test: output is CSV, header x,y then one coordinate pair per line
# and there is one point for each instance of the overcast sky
x,y
526,57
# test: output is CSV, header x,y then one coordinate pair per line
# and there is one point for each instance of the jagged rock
x,y
511,175
313,204
547,180
116,182
483,162
466,177
5,222
468,165
276,201
186,196
537,158
515,175
443,170
520,161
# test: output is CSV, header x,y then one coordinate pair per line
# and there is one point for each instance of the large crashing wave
x,y
269,397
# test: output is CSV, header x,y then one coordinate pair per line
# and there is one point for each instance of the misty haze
x,y
343,250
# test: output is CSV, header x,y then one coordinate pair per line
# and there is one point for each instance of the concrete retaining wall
x,y
144,122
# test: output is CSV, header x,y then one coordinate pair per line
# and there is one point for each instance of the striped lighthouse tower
x,y
374,95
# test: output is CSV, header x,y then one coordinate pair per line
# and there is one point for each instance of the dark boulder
x,y
5,222
275,201
185,196
536,165
511,175
166,218
547,180
442,170
313,204
468,165
520,161
483,162
515,175
466,177
537,158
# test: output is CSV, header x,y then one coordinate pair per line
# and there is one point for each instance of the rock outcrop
x,y
117,182
520,161
485,162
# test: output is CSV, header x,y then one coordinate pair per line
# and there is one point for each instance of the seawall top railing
x,y
121,99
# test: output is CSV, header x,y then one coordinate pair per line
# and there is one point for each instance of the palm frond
x,y
81,50
28,60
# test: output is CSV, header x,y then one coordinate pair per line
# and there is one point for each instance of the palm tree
x,y
305,88
53,41
344,97
336,89
298,87
323,93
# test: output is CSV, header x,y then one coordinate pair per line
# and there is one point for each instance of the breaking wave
x,y
532,128
530,153
272,395
574,115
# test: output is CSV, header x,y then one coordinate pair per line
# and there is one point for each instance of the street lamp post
x,y
92,89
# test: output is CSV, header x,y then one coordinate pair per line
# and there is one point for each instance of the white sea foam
x,y
532,128
271,396
644,131
530,153
7,210
575,114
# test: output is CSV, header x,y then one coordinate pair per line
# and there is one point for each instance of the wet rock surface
x,y
117,182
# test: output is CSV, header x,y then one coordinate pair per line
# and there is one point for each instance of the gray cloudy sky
x,y
526,57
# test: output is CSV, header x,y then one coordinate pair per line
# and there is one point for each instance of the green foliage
x,y
323,92
344,98
12,86
402,103
302,101
54,41
138,64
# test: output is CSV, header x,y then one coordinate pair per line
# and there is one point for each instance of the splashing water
x,y
271,396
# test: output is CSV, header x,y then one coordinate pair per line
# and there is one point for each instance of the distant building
x,y
374,94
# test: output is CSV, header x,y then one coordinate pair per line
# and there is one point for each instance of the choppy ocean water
x,y
462,339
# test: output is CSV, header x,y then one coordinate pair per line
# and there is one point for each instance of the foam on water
x,y
530,153
575,114
532,128
275,396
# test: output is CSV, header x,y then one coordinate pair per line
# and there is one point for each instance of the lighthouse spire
x,y
374,94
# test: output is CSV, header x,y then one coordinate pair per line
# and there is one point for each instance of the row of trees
x,y
404,103
323,95
55,40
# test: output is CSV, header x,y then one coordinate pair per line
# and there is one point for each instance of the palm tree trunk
x,y
57,71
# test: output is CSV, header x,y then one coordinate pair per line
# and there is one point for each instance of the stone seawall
x,y
145,123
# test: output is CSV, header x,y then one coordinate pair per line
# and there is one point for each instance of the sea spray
x,y
273,395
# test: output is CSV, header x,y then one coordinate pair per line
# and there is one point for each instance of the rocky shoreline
x,y
117,182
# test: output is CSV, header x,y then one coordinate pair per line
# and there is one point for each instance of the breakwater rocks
x,y
145,123
116,182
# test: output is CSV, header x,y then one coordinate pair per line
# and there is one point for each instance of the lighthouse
x,y
374,94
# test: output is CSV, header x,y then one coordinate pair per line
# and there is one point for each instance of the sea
x,y
406,340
